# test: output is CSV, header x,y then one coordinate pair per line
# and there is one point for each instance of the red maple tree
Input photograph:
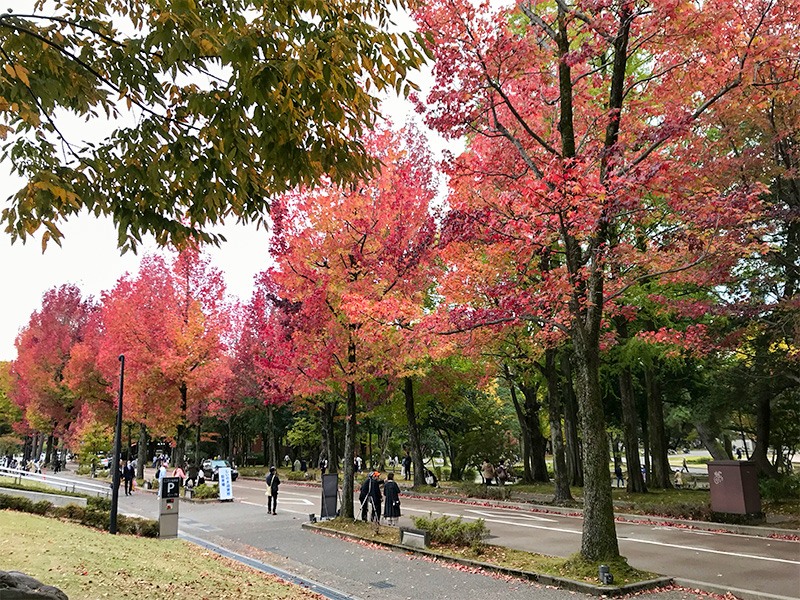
x,y
352,272
587,173
44,348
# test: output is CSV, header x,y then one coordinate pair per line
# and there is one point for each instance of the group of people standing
x,y
499,475
370,496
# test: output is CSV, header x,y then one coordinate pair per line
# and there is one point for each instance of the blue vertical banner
x,y
225,483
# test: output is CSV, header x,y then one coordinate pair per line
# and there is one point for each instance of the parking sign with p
x,y
170,487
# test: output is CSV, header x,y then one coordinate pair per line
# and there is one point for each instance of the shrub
x,y
447,531
682,510
98,503
15,503
442,473
41,507
96,514
259,472
137,526
296,476
474,490
470,473
206,491
786,487
84,470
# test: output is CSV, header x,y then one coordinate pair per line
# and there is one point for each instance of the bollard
x,y
606,578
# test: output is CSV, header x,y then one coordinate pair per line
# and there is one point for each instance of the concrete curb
x,y
323,590
723,590
559,582
54,499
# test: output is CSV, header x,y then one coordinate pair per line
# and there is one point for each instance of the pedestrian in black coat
x,y
128,474
371,495
391,494
273,481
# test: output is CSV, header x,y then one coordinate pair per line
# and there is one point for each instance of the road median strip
x,y
548,580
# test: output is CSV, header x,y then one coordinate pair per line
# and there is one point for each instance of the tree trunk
x,y
763,416
197,438
573,444
48,453
229,451
180,442
662,472
413,433
599,539
349,452
560,477
538,441
39,446
270,442
527,441
630,420
636,483
710,442
331,449
141,455
383,440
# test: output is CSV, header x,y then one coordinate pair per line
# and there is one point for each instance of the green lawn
x,y
87,565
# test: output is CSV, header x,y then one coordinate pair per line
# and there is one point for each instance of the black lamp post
x,y
112,526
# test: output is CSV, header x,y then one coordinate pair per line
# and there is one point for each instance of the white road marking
x,y
521,516
302,501
709,550
500,521
296,512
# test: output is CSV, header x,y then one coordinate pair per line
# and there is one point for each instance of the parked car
x,y
211,469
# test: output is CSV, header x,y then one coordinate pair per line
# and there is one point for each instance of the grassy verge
x,y
87,564
574,568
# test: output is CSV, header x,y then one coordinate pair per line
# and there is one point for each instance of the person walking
x,y
618,474
488,472
180,473
128,475
391,494
685,467
273,481
201,476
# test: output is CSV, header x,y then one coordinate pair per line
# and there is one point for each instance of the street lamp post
x,y
112,526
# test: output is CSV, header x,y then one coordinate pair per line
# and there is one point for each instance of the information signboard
x,y
225,483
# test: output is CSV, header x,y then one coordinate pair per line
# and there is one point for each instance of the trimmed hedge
x,y
97,514
490,492
205,491
455,532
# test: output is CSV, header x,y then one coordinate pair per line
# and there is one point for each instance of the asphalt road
x,y
740,562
